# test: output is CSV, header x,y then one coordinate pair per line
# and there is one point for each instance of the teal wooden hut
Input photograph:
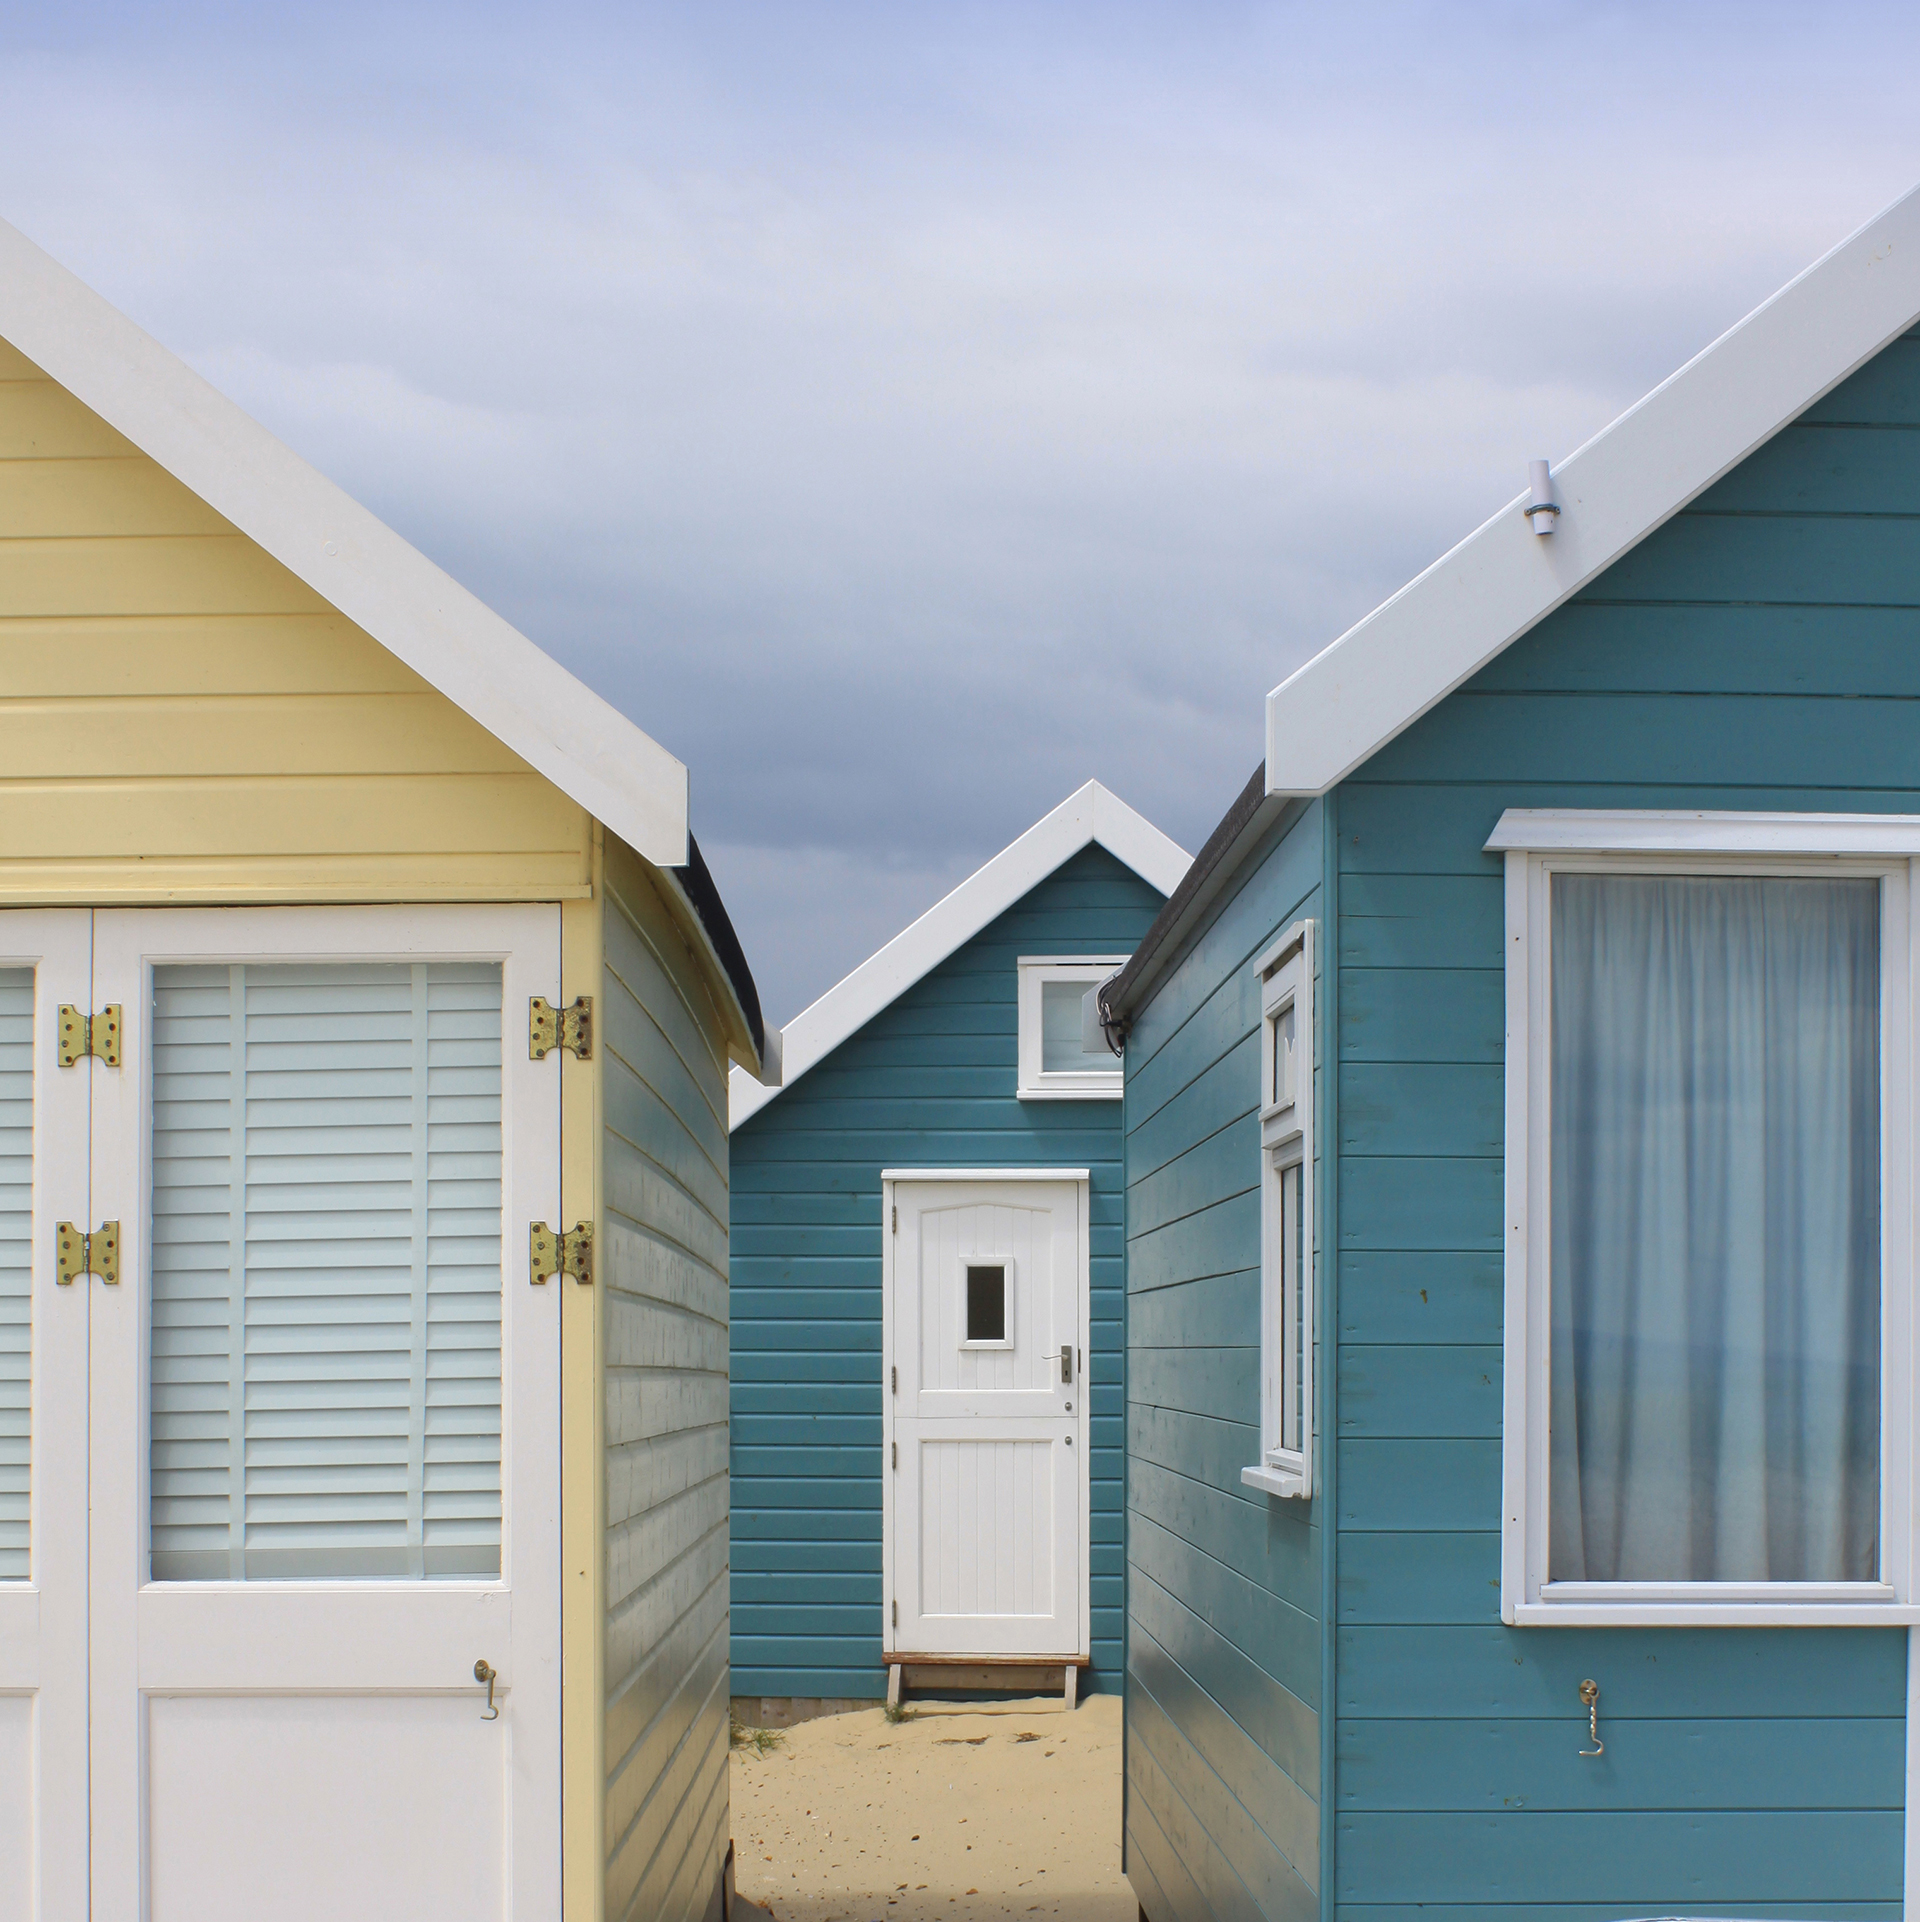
x,y
926,1336
1520,1199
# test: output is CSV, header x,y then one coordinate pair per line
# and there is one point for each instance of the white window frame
x,y
1005,1264
1285,974
1538,844
1074,1084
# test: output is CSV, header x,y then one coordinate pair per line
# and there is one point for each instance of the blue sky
x,y
906,413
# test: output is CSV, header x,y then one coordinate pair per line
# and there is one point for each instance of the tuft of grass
x,y
763,1741
898,1712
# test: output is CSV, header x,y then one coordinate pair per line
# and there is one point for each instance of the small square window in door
x,y
986,1303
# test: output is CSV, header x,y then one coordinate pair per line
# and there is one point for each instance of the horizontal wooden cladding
x,y
1432,1298
1642,1861
1628,647
40,420
505,836
265,879
1725,740
1240,1714
64,499
663,1278
156,574
180,655
1225,1846
1755,1762
1499,1673
78,735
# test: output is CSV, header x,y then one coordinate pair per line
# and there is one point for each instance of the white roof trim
x,y
584,746
1702,831
1379,677
1088,814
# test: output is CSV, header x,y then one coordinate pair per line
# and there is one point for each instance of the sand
x,y
961,1813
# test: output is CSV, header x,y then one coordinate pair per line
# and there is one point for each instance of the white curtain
x,y
1716,1229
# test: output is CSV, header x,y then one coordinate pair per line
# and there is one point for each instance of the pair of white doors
x,y
279,1444
985,1535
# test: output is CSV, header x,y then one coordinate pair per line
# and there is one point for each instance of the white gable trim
x,y
1379,677
1087,815
584,746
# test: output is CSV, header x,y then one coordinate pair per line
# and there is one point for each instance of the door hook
x,y
1590,1695
484,1671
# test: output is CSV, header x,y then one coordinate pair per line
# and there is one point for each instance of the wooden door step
x,y
1008,1675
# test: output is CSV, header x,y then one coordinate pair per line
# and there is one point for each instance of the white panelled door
x,y
311,1425
43,1429
986,1430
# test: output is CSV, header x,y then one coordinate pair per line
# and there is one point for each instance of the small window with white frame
x,y
1708,1297
1285,1466
1063,1055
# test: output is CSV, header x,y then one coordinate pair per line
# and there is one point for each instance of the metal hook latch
x,y
1590,1695
484,1671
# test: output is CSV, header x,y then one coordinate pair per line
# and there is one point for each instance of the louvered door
x,y
324,1420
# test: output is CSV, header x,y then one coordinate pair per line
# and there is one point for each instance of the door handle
x,y
1066,1361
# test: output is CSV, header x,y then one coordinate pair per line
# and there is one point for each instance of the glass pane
x,y
16,1275
1716,1229
326,1271
1060,1049
987,1304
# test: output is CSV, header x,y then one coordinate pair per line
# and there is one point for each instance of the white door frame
x,y
317,1638
1082,1180
43,1620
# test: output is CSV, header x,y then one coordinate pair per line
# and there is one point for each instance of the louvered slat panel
x,y
326,1315
16,1291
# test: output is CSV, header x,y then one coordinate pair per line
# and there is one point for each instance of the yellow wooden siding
x,y
663,1292
183,719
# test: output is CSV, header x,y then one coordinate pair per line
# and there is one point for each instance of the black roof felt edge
x,y
697,883
1252,812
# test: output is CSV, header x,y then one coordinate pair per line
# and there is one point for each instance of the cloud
x,y
905,414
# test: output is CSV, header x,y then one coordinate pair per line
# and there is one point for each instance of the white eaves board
x,y
557,725
1380,676
1090,814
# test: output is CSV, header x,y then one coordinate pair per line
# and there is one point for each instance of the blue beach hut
x,y
926,1401
1520,1198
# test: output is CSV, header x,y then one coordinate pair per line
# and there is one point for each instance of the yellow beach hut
x,y
366,1012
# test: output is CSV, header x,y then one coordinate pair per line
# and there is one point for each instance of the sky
x,y
906,413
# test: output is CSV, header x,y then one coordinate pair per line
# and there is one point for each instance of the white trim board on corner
x,y
1090,814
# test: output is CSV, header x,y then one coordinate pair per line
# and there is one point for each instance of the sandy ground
x,y
961,1812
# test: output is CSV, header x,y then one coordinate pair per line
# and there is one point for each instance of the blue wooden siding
x,y
1760,651
660,1257
1223,1585
930,1083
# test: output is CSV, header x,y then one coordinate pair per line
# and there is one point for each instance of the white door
x,y
985,1515
43,1428
308,1437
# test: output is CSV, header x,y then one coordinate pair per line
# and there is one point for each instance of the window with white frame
x,y
1063,1056
1709,1089
1285,1466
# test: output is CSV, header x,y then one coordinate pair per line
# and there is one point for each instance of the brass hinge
x,y
549,1027
896,1614
896,1454
89,1034
75,1254
895,1373
896,1217
557,1254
